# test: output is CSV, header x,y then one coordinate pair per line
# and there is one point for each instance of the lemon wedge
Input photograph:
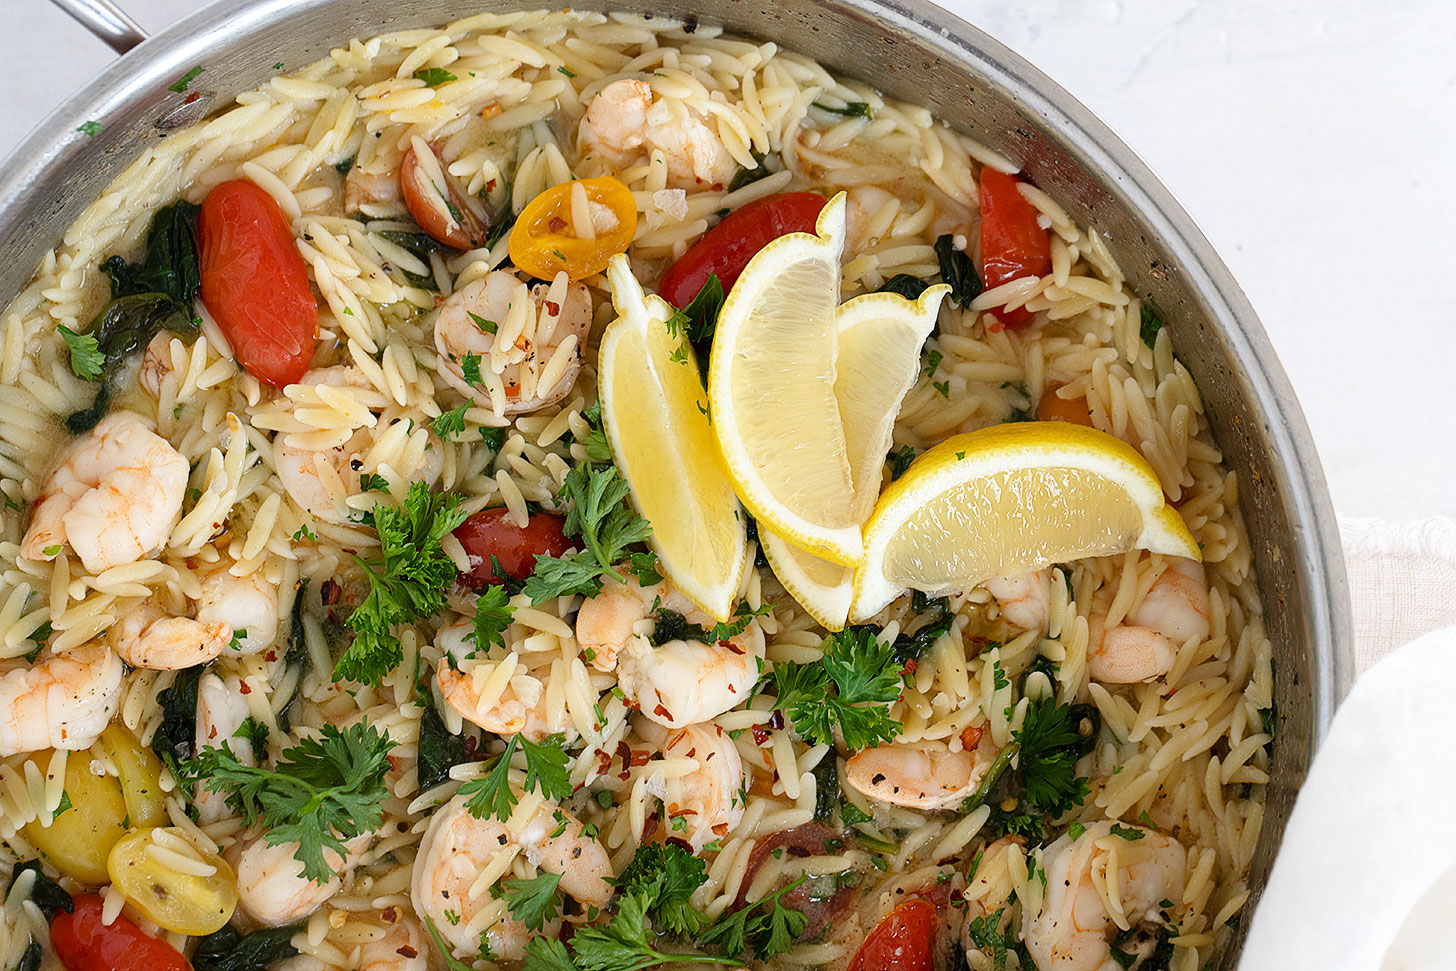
x,y
1007,500
879,336
654,415
772,397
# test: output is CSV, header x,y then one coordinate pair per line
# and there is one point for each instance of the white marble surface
x,y
1311,139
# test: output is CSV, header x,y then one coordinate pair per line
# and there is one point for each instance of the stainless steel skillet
x,y
913,50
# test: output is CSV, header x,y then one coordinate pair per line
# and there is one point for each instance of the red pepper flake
x,y
776,720
404,950
329,592
245,689
760,735
557,224
389,915
971,737
663,712
553,308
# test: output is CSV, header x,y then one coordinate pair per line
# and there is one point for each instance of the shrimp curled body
x,y
61,701
114,498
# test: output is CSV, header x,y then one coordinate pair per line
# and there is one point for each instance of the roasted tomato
x,y
255,283
727,247
1053,407
903,941
434,201
547,237
1013,244
820,899
84,943
490,533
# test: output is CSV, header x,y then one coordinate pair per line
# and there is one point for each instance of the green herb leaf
x,y
406,584
372,482
607,524
667,875
1151,322
438,749
533,902
451,423
1048,743
865,680
45,893
470,369
89,128
86,355
434,76
181,83
900,460
766,925
323,791
486,326
493,614
492,795
1129,833
851,109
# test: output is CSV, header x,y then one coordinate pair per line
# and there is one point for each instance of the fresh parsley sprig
x,y
323,791
865,679
493,614
607,525
1045,748
492,794
535,901
406,583
668,875
767,926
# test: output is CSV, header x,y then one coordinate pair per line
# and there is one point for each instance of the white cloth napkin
x,y
1366,876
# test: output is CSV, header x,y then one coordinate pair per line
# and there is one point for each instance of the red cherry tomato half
x,y
903,941
727,247
1013,245
255,283
490,533
434,201
83,943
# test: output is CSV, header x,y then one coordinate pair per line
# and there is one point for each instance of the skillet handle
x,y
107,21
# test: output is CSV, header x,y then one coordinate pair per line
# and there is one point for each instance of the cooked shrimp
x,y
458,847
1174,611
148,637
60,701
677,683
533,371
707,799
271,886
373,193
922,776
221,711
115,497
402,948
1074,931
306,474
1024,600
863,205
521,708
156,363
623,126
247,606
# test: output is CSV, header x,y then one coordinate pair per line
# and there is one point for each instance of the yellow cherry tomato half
x,y
548,236
140,773
78,839
174,884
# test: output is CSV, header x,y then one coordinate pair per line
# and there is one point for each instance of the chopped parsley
x,y
406,583
865,681
607,525
373,482
533,902
451,423
86,355
434,76
1151,323
1046,749
668,875
486,326
470,369
89,128
900,460
305,532
562,69
322,791
851,109
493,614
492,795
1129,833
943,387
181,83
932,362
